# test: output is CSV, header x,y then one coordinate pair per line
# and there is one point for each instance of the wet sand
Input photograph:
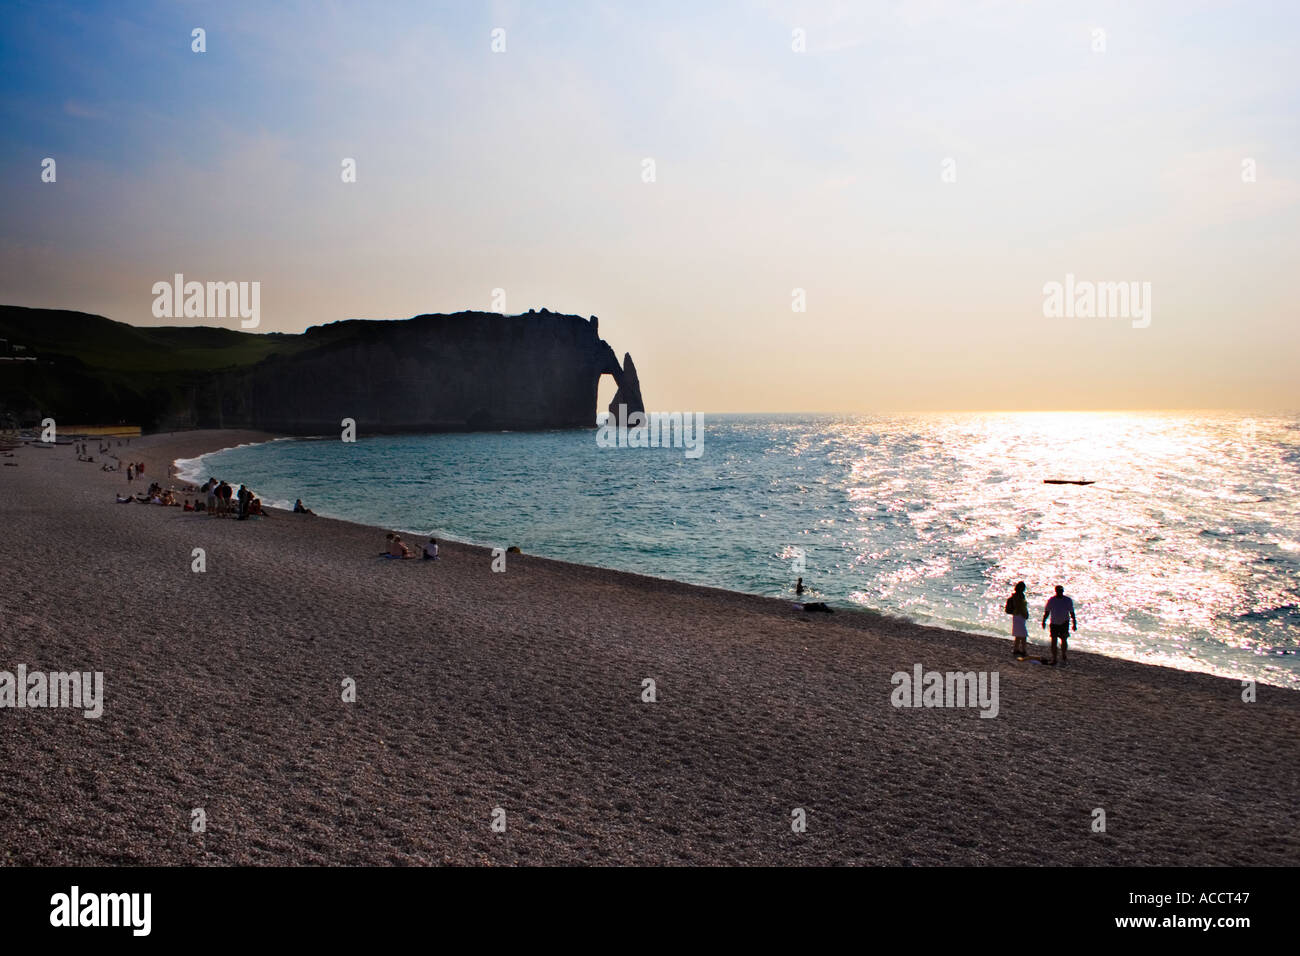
x,y
523,691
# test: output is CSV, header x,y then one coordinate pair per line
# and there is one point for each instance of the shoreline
x,y
524,690
1038,641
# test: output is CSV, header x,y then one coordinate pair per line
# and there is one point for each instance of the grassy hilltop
x,y
92,369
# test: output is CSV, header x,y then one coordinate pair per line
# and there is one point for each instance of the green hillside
x,y
101,343
91,369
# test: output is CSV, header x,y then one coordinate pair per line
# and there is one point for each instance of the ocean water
x,y
1185,552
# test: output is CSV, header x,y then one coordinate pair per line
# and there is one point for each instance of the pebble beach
x,y
522,697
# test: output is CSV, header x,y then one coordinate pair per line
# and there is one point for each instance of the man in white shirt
x,y
1061,610
431,550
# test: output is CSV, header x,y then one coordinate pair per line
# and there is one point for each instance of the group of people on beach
x,y
104,446
397,548
221,499
1058,615
218,498
156,495
1058,612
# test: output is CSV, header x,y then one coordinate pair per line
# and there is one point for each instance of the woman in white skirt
x,y
1018,608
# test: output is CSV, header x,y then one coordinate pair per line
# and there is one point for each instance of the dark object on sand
x,y
513,549
818,606
1065,481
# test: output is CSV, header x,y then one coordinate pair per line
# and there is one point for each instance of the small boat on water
x,y
1066,481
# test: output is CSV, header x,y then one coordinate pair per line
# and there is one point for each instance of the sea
x,y
1183,552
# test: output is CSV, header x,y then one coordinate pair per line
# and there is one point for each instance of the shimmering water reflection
x,y
1186,550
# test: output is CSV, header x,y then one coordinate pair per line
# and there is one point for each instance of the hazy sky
x,y
775,170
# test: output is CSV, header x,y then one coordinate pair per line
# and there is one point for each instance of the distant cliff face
x,y
466,371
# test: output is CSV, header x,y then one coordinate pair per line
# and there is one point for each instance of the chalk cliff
x,y
468,371
459,372
629,389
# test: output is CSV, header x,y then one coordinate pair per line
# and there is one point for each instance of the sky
x,y
913,174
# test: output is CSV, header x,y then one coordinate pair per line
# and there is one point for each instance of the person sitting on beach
x,y
255,508
397,548
188,506
1018,608
1061,610
431,550
299,509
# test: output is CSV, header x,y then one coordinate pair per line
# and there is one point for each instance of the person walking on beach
x,y
1061,610
1018,608
130,472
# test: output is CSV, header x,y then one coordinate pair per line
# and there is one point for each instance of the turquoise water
x,y
1186,551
